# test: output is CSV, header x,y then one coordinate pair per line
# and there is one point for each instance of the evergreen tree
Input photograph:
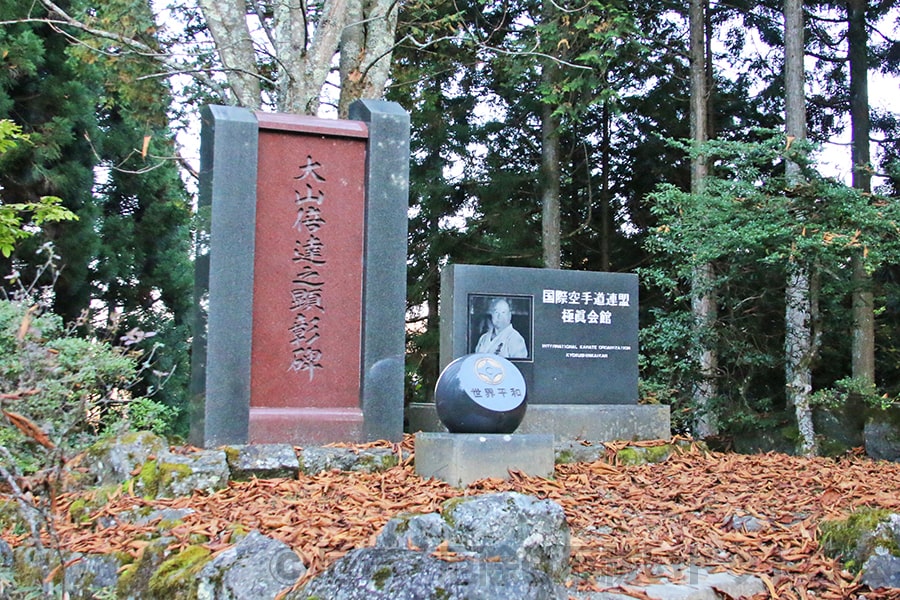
x,y
100,117
43,90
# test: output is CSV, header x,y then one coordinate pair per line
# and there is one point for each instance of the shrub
x,y
69,388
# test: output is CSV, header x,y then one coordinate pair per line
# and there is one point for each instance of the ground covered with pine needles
x,y
623,519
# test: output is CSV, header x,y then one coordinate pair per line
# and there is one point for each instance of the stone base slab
x,y
305,426
592,422
461,458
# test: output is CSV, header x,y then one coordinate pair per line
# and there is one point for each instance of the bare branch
x,y
66,19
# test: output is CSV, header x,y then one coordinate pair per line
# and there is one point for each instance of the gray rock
x,y
514,527
163,515
6,555
262,461
744,523
421,532
694,584
882,435
572,451
181,474
508,526
91,575
881,570
113,461
256,568
317,459
889,529
397,574
83,578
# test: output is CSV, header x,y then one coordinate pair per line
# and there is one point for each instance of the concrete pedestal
x,y
592,422
461,458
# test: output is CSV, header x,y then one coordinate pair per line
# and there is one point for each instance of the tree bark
x,y
863,337
703,296
798,344
550,189
366,45
227,22
304,51
605,220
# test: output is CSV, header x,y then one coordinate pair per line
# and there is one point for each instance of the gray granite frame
x,y
384,277
223,288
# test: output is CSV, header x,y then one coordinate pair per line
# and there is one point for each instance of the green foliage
x,y
149,415
44,210
69,387
843,390
585,42
12,228
750,224
97,120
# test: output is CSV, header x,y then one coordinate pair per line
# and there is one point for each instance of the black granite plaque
x,y
572,334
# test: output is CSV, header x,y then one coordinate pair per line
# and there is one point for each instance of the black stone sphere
x,y
480,393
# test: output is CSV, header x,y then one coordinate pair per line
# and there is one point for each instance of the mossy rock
x,y
575,451
317,459
882,434
642,455
173,475
564,457
134,580
147,481
32,565
859,536
176,577
370,462
10,517
112,461
79,511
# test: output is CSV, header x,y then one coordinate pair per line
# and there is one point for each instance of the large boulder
x,y
507,527
92,575
172,475
882,435
85,576
114,460
256,568
398,574
867,541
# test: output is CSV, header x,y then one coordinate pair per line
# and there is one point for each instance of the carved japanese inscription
x,y
308,271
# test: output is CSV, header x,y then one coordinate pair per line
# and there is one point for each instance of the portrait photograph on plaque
x,y
501,325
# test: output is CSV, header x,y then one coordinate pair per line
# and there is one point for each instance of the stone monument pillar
x,y
301,277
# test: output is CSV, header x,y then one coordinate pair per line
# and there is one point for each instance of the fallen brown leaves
x,y
622,518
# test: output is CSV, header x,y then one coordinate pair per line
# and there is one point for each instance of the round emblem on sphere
x,y
480,393
489,370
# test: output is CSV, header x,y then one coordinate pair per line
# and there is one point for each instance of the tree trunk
x,y
605,220
550,188
304,59
798,344
863,338
703,296
227,21
366,45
